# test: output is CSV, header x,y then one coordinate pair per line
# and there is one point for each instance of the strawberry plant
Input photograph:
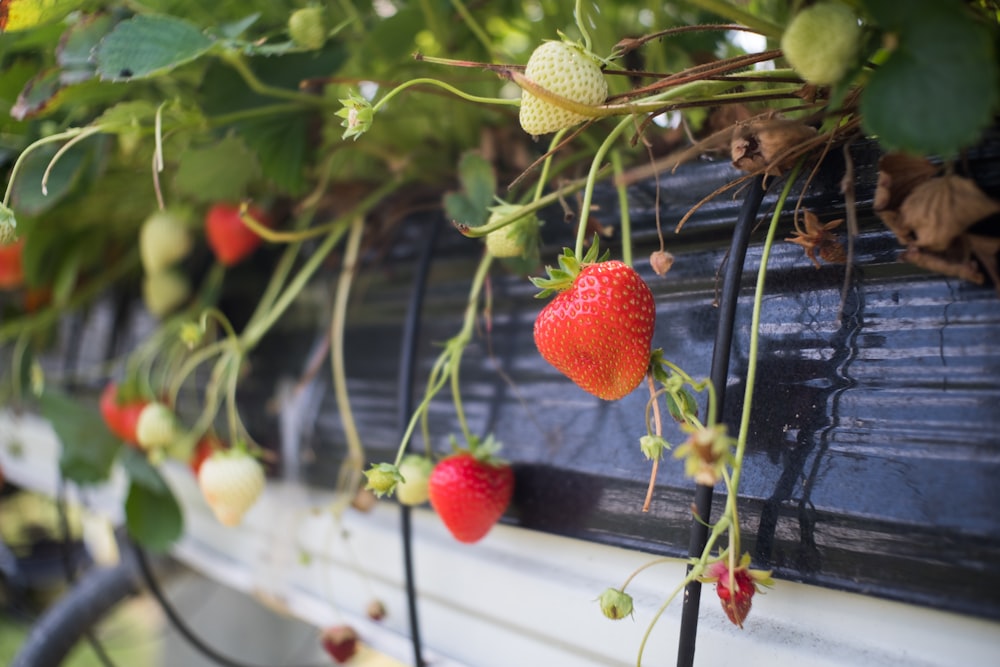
x,y
302,135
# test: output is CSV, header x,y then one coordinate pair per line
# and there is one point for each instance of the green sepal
x,y
561,278
382,479
357,114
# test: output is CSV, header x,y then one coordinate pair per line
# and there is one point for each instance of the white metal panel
x,y
518,597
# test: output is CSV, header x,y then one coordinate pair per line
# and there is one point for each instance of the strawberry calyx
x,y
382,478
561,278
358,114
484,450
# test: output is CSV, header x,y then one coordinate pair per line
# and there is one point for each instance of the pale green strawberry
x,y
164,240
231,482
568,71
157,427
307,27
821,42
164,291
416,471
517,239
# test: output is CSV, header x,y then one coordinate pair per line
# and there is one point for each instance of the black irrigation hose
x,y
178,623
57,631
719,374
407,370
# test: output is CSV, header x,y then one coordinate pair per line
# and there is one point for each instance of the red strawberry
x,y
470,490
228,236
121,412
341,642
202,451
598,329
11,268
736,589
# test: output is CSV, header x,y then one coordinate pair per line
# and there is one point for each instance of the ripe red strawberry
x,y
202,451
11,268
231,481
598,330
471,489
340,642
568,71
230,239
121,412
736,590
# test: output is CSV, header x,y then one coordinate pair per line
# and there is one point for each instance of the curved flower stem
x,y
588,190
623,210
235,60
355,450
758,299
473,25
503,101
462,340
581,25
72,133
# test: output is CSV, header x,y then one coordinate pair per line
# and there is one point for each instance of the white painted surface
x,y
518,597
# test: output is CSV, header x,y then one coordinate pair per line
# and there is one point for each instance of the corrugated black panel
x,y
873,454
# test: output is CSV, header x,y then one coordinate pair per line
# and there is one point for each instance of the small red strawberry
x,y
737,587
231,481
471,489
340,642
598,329
11,268
228,236
202,451
121,409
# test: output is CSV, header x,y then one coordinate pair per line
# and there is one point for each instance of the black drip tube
x,y
407,370
729,296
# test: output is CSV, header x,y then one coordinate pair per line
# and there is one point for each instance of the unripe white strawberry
x,y
568,71
821,42
231,482
164,291
157,427
416,470
164,239
514,240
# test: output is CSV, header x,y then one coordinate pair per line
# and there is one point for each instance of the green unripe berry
x,y
307,27
821,42
615,604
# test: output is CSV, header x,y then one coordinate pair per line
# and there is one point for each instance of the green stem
x,y
460,342
738,15
235,60
511,102
51,139
581,25
473,25
588,190
758,300
532,207
355,450
623,212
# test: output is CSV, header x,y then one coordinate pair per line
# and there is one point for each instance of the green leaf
x,y
234,29
152,516
221,171
148,45
88,448
471,205
75,50
937,91
280,145
142,472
